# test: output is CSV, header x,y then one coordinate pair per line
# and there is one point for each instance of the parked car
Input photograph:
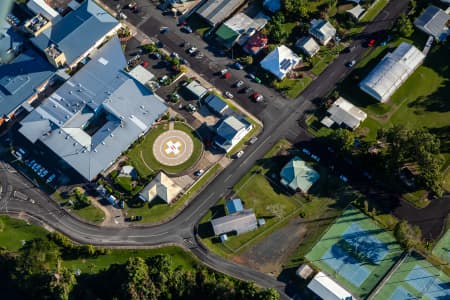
x,y
163,29
350,48
239,154
306,151
371,43
163,79
191,108
253,140
192,50
223,72
239,83
187,29
227,75
238,66
145,64
199,172
343,178
248,90
122,204
228,94
257,97
155,55
350,64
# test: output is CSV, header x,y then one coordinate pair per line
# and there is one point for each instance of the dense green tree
x,y
275,30
404,26
61,284
342,139
137,284
297,8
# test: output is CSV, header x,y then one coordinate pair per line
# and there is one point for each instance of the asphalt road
x,y
281,120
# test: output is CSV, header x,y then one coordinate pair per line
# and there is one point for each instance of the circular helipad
x,y
173,147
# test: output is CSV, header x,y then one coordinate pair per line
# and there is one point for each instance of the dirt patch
x,y
269,255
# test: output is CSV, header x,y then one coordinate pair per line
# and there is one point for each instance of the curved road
x,y
20,196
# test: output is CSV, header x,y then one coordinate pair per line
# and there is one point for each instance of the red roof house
x,y
255,43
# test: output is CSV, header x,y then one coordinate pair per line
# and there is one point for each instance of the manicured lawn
x,y
325,56
125,183
291,88
159,211
119,256
142,158
90,213
14,231
375,253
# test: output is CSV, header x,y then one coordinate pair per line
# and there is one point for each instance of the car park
x,y
306,151
199,172
239,83
239,154
228,94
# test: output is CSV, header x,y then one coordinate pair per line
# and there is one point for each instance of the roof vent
x,y
111,135
103,143
95,150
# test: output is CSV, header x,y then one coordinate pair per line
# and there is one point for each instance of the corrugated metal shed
x,y
215,11
433,21
240,222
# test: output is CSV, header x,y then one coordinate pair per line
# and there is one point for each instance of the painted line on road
x,y
228,178
151,235
198,208
257,148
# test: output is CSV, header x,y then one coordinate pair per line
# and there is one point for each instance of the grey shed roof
x,y
78,31
196,89
239,222
230,126
433,21
215,11
20,78
101,90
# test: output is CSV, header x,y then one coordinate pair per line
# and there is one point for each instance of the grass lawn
x,y
14,231
119,256
447,180
377,251
325,56
159,211
417,278
417,198
374,10
291,88
442,248
142,158
90,213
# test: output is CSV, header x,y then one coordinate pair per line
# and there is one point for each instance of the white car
x,y
239,154
192,50
223,71
228,94
239,83
199,172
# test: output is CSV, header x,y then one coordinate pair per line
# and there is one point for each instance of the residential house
x,y
161,187
240,222
356,12
70,40
392,71
21,81
230,131
322,30
256,43
433,21
234,206
344,113
298,176
217,105
280,61
95,115
215,11
308,45
326,288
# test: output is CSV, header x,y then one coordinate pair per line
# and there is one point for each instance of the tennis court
x,y
442,248
356,251
416,278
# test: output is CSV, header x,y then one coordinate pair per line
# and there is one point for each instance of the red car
x,y
227,75
145,64
371,43
257,97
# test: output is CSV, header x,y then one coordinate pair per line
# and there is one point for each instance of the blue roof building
x,y
78,32
234,206
10,43
272,5
96,114
21,80
216,104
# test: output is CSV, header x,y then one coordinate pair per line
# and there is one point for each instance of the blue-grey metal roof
x,y
20,78
433,21
216,104
78,31
234,205
100,89
10,42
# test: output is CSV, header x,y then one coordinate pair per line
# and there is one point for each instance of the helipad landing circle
x,y
173,147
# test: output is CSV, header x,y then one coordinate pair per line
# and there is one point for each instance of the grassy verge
x,y
446,183
118,256
322,59
89,213
13,232
159,211
291,88
142,158
417,198
374,10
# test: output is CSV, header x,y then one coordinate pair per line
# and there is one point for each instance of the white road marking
x,y
198,208
226,179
